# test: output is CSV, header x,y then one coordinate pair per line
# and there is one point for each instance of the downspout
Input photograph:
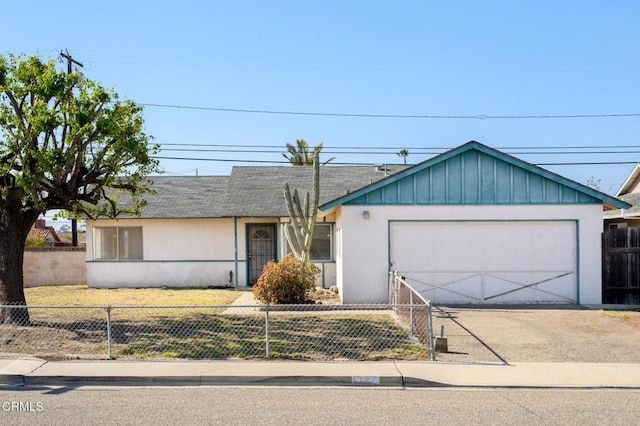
x,y
235,251
578,263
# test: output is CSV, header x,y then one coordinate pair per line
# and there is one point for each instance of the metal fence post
x,y
411,311
109,332
266,329
396,289
432,349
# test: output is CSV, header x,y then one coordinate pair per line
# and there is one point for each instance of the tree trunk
x,y
14,227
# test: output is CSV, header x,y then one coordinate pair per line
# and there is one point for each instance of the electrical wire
x,y
372,164
269,151
395,116
439,148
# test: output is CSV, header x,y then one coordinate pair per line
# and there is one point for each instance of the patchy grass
x,y
81,295
209,333
630,317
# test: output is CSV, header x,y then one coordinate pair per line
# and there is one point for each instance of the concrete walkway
x,y
37,372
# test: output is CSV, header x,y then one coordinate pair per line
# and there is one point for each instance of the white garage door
x,y
486,261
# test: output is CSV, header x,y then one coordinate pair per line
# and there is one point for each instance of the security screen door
x,y
261,248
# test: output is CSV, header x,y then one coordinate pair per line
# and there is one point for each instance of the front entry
x,y
261,248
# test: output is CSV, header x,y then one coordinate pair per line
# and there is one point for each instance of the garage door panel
x,y
494,287
460,287
488,262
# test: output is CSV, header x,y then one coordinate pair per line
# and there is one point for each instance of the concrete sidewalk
x,y
36,372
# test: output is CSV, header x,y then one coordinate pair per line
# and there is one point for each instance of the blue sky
x,y
425,58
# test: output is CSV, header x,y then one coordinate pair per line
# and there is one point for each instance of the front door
x,y
261,248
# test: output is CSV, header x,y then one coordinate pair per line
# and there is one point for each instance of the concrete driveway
x,y
535,334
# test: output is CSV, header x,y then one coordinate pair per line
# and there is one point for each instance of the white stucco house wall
x,y
470,226
213,231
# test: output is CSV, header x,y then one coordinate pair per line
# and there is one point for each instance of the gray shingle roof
x,y
251,191
186,197
633,211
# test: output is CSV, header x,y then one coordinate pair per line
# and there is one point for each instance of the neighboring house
x,y
621,244
48,234
630,193
473,225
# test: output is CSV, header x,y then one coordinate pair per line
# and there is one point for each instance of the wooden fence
x,y
621,266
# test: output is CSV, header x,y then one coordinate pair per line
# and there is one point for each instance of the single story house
x,y
472,225
203,231
630,193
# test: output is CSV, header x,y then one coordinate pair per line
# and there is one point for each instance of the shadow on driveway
x,y
556,333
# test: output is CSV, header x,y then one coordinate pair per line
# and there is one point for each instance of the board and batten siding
x,y
473,177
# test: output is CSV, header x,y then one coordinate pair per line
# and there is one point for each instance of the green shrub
x,y
286,282
35,240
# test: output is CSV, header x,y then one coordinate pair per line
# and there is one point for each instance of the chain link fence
x,y
306,332
412,309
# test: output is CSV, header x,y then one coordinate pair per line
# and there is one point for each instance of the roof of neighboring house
x,y
630,193
474,173
631,212
50,236
631,183
251,191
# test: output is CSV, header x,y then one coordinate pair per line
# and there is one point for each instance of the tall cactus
x,y
303,217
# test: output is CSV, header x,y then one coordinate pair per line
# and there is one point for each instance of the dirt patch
x,y
631,318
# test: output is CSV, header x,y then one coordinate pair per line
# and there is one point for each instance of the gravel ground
x,y
546,334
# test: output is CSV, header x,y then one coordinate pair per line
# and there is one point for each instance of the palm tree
x,y
404,153
301,155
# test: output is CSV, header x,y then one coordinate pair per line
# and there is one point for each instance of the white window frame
x,y
286,250
117,249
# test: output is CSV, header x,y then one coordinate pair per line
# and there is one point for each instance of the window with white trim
x,y
321,244
117,243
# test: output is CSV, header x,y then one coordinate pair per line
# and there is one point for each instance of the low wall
x,y
54,266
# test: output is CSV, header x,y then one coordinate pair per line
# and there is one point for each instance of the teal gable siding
x,y
474,174
473,177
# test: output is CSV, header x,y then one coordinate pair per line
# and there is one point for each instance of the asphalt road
x,y
315,406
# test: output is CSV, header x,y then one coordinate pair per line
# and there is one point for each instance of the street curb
x,y
311,381
11,379
352,381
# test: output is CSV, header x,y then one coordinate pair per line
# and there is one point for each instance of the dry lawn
x,y
81,295
220,332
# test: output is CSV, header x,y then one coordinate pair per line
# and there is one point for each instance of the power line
x,y
438,148
415,151
401,116
228,160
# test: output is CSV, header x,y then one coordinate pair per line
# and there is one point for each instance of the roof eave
x,y
630,179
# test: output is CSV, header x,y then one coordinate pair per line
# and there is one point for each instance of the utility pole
x,y
70,61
